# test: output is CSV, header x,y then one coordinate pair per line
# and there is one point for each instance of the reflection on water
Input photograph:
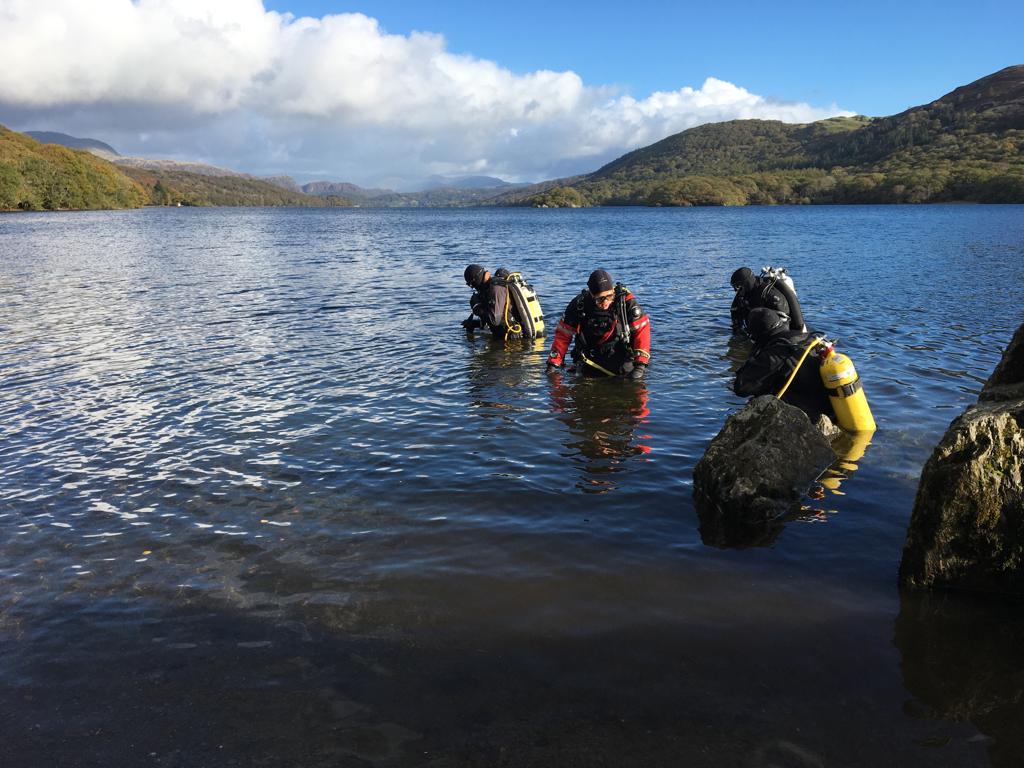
x,y
850,448
603,416
963,660
726,532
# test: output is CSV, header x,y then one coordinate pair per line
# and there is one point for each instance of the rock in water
x,y
967,528
827,428
1007,380
755,470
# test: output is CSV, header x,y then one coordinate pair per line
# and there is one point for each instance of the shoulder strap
x,y
621,292
581,303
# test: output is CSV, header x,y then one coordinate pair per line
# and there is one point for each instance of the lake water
x,y
263,503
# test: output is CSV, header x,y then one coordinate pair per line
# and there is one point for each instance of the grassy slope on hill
x,y
36,176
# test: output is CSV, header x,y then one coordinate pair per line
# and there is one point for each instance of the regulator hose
x,y
814,342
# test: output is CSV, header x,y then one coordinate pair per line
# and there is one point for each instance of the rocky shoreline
x,y
967,527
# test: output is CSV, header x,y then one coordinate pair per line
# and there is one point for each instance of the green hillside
x,y
966,146
36,176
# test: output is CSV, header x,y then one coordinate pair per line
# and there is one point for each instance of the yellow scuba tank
x,y
846,393
527,305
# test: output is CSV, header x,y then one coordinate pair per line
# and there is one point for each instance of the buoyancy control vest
x,y
515,307
604,332
523,298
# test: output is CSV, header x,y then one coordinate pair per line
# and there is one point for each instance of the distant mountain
x,y
284,182
463,182
202,169
172,186
966,146
72,142
343,189
442,197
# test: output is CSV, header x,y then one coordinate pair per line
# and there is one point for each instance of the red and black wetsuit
x,y
615,338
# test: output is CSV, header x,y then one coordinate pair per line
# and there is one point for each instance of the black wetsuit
x,y
762,293
770,364
488,303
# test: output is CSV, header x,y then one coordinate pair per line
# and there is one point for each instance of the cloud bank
x,y
234,84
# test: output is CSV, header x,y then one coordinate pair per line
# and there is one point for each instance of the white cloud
x,y
232,83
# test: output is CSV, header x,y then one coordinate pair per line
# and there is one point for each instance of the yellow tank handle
x,y
814,342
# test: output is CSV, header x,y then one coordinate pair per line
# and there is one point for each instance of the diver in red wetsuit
x,y
611,331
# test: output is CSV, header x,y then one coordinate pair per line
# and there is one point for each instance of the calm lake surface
x,y
263,503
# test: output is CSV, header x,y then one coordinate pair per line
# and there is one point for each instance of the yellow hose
x,y
591,363
803,357
510,327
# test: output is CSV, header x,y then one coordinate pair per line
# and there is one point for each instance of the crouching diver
x,y
490,303
771,290
611,332
777,350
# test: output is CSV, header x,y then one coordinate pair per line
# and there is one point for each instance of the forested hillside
x,y
174,187
36,176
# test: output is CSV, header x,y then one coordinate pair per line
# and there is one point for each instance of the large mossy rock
x,y
967,527
756,470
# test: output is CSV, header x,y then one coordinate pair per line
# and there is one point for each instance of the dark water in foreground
x,y
263,504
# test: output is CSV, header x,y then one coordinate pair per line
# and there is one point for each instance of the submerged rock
x,y
967,527
756,470
830,431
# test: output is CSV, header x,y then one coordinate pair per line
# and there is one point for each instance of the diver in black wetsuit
x,y
489,302
766,291
777,348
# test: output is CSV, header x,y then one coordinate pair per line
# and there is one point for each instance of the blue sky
x,y
387,93
875,58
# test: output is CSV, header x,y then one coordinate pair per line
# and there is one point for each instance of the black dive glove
x,y
471,324
550,367
638,372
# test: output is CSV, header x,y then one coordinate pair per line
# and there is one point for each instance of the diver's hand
x,y
470,324
550,367
638,372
